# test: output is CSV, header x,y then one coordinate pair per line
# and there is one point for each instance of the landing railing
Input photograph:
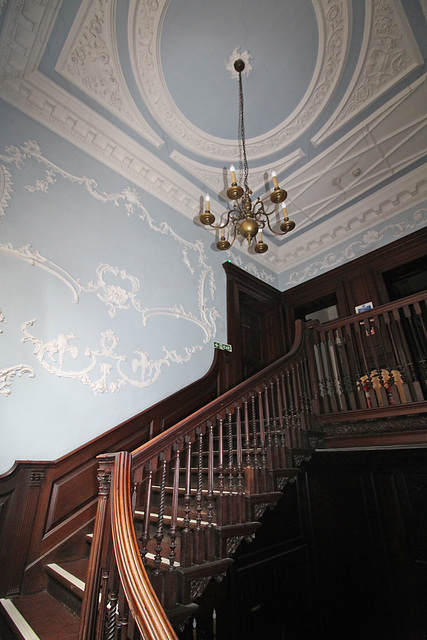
x,y
172,513
374,360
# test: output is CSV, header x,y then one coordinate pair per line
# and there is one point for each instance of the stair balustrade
x,y
374,361
172,513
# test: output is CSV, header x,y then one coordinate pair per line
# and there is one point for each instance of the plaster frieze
x,y
49,104
394,199
118,290
90,60
388,53
5,189
24,35
145,28
373,238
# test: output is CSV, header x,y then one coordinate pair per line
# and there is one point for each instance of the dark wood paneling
x,y
80,481
343,555
48,506
255,326
357,281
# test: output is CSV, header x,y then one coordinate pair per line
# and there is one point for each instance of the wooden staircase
x,y
201,524
171,513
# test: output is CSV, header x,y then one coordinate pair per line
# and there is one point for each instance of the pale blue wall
x,y
110,300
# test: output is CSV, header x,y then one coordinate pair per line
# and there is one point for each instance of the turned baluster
x,y
186,539
318,349
302,412
265,452
249,472
355,364
287,422
198,534
220,469
145,537
418,330
366,380
273,422
313,372
293,420
174,511
283,450
343,340
160,516
239,449
210,533
270,451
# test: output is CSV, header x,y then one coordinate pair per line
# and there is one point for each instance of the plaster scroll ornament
x,y
56,357
5,189
118,290
8,374
359,247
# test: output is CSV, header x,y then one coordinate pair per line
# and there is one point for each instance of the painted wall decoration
x,y
366,242
109,302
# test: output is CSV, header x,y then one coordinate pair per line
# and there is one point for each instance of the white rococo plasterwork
x,y
390,201
145,27
90,60
388,53
359,247
119,295
8,375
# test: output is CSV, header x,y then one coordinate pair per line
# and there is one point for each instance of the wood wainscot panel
x,y
71,492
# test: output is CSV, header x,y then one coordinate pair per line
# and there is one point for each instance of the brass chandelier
x,y
246,219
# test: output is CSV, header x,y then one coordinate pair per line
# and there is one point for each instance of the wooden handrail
x,y
166,439
143,603
384,308
326,372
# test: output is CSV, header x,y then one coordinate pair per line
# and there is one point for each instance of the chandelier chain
x,y
243,137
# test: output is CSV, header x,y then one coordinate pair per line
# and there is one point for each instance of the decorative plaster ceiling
x,y
337,104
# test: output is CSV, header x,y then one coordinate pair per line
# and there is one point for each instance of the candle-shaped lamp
x,y
278,194
206,217
287,225
194,629
274,178
214,624
233,174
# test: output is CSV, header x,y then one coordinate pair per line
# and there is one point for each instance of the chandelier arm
x,y
276,233
229,219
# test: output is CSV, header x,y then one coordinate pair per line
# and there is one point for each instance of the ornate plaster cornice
x,y
388,53
394,137
381,207
90,60
145,27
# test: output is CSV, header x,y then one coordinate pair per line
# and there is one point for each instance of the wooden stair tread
x,y
69,575
46,618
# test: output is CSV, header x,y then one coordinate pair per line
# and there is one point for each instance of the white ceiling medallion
x,y
388,53
236,55
145,28
90,60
